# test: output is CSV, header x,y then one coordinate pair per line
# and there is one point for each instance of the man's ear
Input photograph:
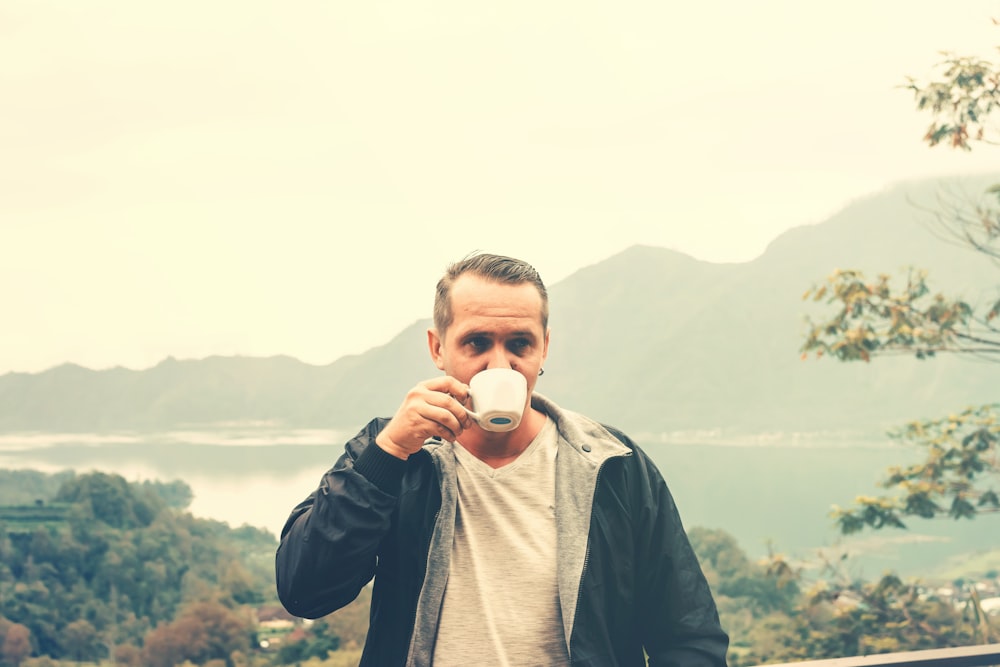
x,y
545,348
436,346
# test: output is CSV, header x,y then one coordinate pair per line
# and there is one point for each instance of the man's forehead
x,y
470,286
478,304
495,299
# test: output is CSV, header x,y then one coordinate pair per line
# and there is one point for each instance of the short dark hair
x,y
494,268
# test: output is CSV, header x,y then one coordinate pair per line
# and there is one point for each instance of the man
x,y
556,543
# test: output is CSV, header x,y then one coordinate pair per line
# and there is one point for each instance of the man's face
x,y
494,325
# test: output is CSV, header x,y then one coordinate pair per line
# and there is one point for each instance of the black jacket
x,y
629,581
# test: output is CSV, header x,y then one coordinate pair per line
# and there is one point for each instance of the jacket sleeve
x,y
330,541
679,619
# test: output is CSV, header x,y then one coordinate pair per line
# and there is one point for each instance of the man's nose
x,y
498,359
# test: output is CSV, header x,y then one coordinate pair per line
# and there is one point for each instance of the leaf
x,y
962,508
989,498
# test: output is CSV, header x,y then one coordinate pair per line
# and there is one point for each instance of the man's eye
x,y
478,344
519,345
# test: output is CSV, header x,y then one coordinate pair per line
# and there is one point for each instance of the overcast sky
x,y
192,178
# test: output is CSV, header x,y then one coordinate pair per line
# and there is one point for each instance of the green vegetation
x,y
105,569
122,574
961,468
960,465
29,487
775,612
110,568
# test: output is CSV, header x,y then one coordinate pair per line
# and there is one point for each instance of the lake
x,y
771,491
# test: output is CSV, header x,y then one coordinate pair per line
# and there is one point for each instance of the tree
x,y
756,605
881,617
111,499
874,318
952,481
350,623
127,655
239,584
87,576
17,644
319,642
81,640
203,631
962,101
176,494
164,647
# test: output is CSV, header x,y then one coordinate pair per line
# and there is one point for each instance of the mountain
x,y
650,340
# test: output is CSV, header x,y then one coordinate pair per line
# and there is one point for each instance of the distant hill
x,y
650,340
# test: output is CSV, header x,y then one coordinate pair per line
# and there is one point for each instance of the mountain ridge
x,y
649,339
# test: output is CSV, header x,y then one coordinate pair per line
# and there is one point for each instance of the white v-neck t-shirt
x,y
501,603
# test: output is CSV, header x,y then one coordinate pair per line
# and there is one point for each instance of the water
x,y
773,492
240,476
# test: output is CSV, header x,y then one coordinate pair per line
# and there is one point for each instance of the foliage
x,y
837,616
147,611
327,641
176,494
732,575
350,623
872,318
81,641
745,592
202,632
122,569
962,101
885,616
111,500
127,655
319,643
341,658
776,611
16,644
26,487
962,451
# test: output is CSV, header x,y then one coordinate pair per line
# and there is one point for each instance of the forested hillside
x,y
106,567
110,568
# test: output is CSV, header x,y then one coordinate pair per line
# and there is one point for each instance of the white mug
x,y
499,396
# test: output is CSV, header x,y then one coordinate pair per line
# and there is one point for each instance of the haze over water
x,y
770,491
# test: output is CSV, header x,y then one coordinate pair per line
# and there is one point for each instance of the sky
x,y
257,178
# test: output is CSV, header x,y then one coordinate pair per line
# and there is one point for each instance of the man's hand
x,y
434,408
